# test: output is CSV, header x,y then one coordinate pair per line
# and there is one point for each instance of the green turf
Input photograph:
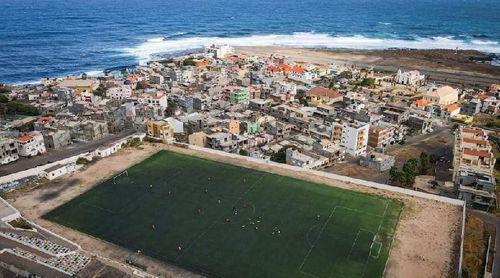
x,y
351,237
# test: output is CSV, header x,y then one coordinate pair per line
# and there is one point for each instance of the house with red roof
x,y
321,95
31,144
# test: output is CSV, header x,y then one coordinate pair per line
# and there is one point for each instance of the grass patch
x,y
224,220
21,223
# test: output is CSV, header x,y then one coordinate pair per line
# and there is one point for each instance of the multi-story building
x,y
94,130
160,130
158,99
352,135
471,108
409,77
57,139
380,137
473,168
31,144
119,93
8,150
445,95
239,95
320,95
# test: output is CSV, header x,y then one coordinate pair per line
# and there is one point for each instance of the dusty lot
x,y
424,245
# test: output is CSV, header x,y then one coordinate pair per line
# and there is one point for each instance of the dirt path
x,y
424,243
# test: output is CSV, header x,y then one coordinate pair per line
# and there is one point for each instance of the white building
x,y
58,170
177,125
354,137
119,93
221,51
8,150
409,77
31,144
157,99
295,158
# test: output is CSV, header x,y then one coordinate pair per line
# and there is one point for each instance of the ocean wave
x,y
484,42
146,51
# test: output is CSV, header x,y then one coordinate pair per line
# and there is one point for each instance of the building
x,y
377,161
177,125
221,141
380,137
445,95
320,95
58,170
31,144
296,158
473,168
234,126
156,79
471,108
57,139
221,51
353,136
8,150
239,95
259,104
78,85
160,130
94,130
198,139
157,99
119,93
410,77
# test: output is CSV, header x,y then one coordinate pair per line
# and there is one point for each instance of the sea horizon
x,y
57,38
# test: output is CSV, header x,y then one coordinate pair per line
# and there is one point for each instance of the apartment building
x,y
160,130
473,168
8,150
352,135
31,144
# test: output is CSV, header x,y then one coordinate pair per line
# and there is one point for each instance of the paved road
x,y
54,155
495,221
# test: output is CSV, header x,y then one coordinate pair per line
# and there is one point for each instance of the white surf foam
x,y
144,52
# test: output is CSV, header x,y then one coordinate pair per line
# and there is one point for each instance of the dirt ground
x,y
424,244
440,64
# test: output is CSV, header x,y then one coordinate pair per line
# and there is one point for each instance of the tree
x,y
3,98
368,82
243,152
394,175
409,172
189,62
280,156
423,163
303,101
100,91
171,108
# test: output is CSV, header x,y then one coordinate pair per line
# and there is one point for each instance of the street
x,y
54,155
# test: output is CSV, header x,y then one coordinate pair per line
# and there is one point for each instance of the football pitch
x,y
223,220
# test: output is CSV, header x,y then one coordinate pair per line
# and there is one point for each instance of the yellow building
x,y
198,139
78,85
445,95
160,130
234,127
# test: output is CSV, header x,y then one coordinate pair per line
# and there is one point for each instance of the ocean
x,y
53,38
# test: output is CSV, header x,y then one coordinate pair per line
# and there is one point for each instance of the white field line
x,y
317,238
